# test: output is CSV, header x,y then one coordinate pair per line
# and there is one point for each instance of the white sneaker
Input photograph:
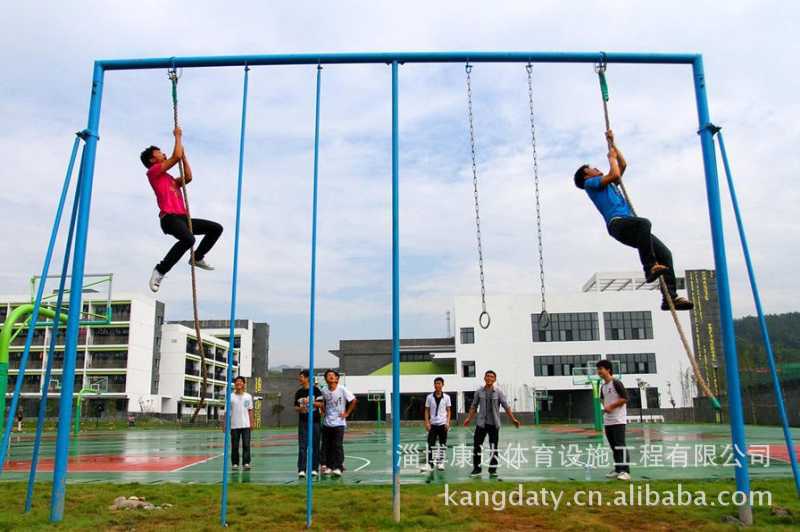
x,y
235,467
624,476
440,467
612,474
426,468
326,470
337,472
155,281
203,265
314,474
301,474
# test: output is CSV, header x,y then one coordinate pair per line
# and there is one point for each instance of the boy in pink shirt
x,y
172,210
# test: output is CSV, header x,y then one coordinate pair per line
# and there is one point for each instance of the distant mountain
x,y
784,333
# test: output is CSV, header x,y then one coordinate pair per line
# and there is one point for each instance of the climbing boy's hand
x,y
178,132
610,137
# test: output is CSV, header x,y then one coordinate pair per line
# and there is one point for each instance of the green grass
x,y
259,507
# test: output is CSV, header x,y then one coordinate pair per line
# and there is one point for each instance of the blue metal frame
x,y
395,295
223,514
735,410
75,295
762,322
395,59
4,446
37,442
400,58
311,445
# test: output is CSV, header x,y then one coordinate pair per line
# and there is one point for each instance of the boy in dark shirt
x,y
301,406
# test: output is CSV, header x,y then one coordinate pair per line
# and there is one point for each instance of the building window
x,y
119,311
628,325
109,359
653,398
635,363
560,365
467,335
110,336
468,368
566,327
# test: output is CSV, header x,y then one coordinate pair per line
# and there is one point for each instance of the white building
x,y
615,316
122,354
181,378
141,364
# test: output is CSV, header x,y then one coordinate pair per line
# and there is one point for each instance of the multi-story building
x,y
122,354
615,316
140,364
251,351
181,382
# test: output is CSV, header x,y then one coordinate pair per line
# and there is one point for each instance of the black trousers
x,y
635,232
302,446
332,447
477,446
238,435
616,440
437,433
178,226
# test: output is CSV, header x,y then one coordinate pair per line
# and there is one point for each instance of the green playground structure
x,y
10,331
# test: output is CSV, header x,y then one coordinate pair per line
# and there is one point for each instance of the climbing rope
x,y
544,317
484,319
600,69
173,75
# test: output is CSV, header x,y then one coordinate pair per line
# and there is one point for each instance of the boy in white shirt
x,y
615,413
437,423
339,403
241,423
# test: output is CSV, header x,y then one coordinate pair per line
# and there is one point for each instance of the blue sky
x,y
48,48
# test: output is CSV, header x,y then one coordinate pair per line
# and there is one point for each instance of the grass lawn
x,y
260,507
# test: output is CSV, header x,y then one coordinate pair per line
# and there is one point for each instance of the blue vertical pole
x,y
53,341
395,299
762,322
36,306
736,413
310,446
223,514
76,288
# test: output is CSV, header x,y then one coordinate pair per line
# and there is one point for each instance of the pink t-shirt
x,y
168,191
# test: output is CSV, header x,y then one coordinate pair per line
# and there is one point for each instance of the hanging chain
x,y
484,318
544,317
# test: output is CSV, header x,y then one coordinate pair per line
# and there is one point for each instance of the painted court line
x,y
187,466
359,468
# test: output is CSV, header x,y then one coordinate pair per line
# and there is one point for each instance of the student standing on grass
x,y
241,423
301,406
20,417
437,423
615,413
486,404
339,403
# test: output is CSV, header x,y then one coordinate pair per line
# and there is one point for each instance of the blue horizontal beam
x,y
400,57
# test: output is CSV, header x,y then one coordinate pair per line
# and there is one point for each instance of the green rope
x,y
603,85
